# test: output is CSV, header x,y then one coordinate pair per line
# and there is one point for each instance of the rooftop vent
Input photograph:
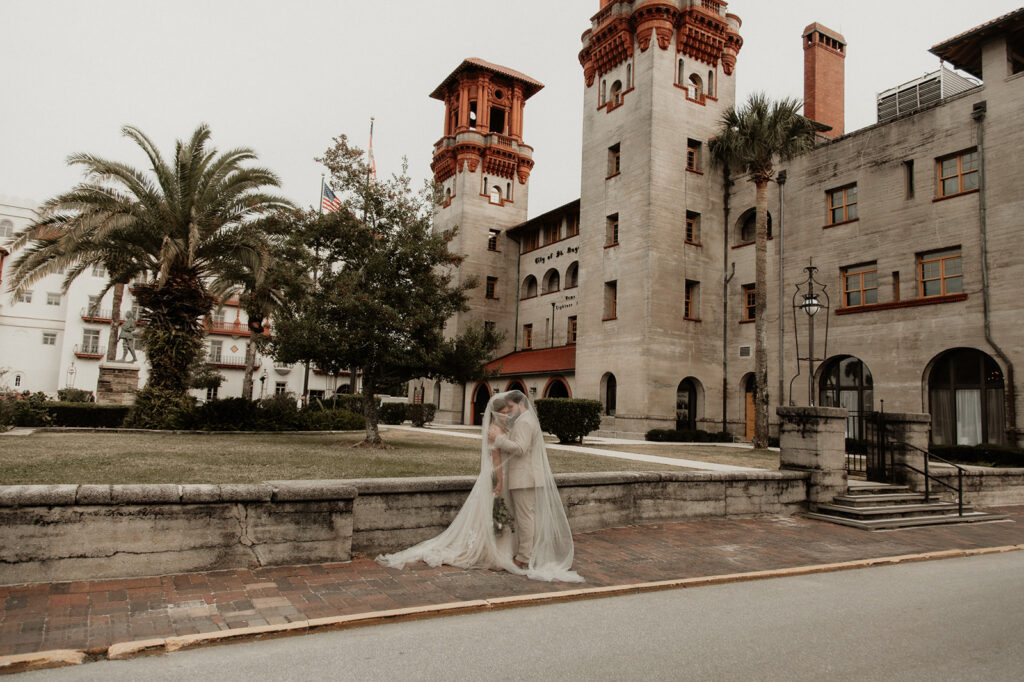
x,y
921,93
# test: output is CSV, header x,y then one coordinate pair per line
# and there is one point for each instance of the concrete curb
x,y
126,650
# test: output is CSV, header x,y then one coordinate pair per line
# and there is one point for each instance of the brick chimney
x,y
824,54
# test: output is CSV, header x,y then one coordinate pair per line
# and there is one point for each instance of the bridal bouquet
x,y
502,515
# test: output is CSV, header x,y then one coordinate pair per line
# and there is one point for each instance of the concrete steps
x,y
878,506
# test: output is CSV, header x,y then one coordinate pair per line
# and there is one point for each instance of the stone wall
x,y
75,532
982,487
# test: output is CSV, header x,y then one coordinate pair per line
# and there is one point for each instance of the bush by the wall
x,y
570,419
420,413
31,411
87,415
332,420
277,413
697,436
73,395
157,408
391,413
986,454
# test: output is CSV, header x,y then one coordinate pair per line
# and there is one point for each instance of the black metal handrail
x,y
959,489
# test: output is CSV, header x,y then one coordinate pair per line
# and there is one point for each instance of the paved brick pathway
x,y
96,614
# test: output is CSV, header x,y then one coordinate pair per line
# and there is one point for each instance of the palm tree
x,y
179,224
750,140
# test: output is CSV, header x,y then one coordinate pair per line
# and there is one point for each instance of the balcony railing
x,y
233,328
98,315
229,361
88,351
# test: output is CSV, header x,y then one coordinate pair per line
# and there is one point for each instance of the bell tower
x,y
483,167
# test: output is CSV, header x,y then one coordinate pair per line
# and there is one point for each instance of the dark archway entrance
x,y
608,394
966,399
516,385
686,406
481,396
557,388
846,381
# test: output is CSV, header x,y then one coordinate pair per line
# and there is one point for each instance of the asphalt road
x,y
956,619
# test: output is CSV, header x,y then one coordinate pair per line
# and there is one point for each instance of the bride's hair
x,y
515,396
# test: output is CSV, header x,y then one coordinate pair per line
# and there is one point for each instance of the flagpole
x,y
322,182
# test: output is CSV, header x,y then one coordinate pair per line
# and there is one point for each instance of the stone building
x,y
640,294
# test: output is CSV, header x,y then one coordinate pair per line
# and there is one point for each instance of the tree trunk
x,y
760,323
250,368
370,409
115,322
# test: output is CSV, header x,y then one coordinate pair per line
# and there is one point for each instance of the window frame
x,y
960,173
749,303
614,160
491,289
859,272
492,240
49,338
611,300
573,330
845,206
691,300
693,156
528,336
691,234
942,257
611,230
87,347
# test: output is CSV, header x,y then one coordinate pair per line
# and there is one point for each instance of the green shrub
x,y
158,408
984,454
697,436
87,414
391,413
74,395
332,420
420,413
227,414
277,413
570,419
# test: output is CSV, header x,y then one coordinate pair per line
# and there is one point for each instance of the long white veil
x,y
471,540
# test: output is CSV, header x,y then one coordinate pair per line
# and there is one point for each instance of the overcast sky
x,y
285,77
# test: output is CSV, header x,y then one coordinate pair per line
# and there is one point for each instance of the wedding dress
x,y
471,540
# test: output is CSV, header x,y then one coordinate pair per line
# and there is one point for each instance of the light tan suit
x,y
523,447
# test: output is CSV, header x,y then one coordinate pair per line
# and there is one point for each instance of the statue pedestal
x,y
117,383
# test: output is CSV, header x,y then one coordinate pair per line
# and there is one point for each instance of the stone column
x,y
905,432
813,439
117,384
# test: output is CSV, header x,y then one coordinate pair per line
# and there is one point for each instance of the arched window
x,y
572,275
747,226
481,396
551,281
6,229
448,194
845,381
557,388
695,87
686,405
529,288
495,195
617,93
608,390
516,385
965,399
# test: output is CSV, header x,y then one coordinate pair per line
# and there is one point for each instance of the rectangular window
x,y
842,204
216,353
492,240
613,160
908,176
527,336
94,304
749,303
574,226
52,299
610,303
571,340
860,285
693,160
98,271
958,173
940,273
280,388
211,393
492,287
896,285
531,241
25,297
691,302
49,338
90,341
551,233
611,230
692,227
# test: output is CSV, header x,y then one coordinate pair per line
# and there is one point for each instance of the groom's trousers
x,y
524,505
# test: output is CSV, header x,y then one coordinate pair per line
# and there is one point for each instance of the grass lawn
x,y
704,452
42,458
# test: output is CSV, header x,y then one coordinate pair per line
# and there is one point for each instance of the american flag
x,y
329,202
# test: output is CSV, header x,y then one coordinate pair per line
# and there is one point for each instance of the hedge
x,y
87,415
986,454
420,413
685,436
568,418
332,420
391,413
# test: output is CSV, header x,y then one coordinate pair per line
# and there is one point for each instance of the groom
x,y
523,445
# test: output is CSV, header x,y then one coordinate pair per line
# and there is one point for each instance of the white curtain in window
x,y
968,417
848,400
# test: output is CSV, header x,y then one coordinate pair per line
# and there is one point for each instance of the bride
x,y
514,475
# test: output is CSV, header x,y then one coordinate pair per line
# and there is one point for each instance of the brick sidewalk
x,y
92,615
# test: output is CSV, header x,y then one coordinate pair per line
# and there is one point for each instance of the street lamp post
x,y
811,302
263,381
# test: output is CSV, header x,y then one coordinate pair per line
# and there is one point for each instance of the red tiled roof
x,y
546,360
531,86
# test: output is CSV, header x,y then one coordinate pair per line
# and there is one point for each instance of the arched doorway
x,y
481,396
845,381
608,391
749,387
557,388
686,405
965,399
516,385
437,394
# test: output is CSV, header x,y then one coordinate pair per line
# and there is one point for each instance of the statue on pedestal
x,y
127,336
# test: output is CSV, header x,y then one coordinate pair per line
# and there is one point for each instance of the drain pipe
x,y
727,184
781,180
978,114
